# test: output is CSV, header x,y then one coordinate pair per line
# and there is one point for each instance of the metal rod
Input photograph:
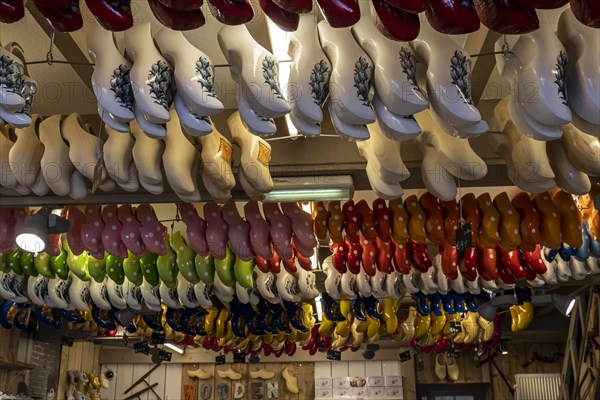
x,y
138,393
142,378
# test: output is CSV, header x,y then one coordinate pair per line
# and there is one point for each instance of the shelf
x,y
15,365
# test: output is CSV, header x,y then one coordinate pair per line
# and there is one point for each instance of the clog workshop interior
x,y
298,199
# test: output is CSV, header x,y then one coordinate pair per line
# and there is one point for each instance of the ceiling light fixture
x,y
312,188
32,236
564,304
490,309
175,348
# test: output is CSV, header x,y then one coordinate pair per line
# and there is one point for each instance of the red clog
x,y
295,6
543,4
231,12
453,17
587,12
369,255
394,23
54,4
183,5
66,19
468,263
354,257
112,15
352,220
340,13
533,260
367,225
511,261
449,261
339,253
506,16
411,6
419,256
383,220
286,20
401,257
385,252
11,11
178,20
487,265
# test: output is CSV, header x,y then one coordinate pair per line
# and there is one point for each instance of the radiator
x,y
537,386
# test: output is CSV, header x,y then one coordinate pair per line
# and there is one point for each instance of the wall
x,y
83,356
519,354
46,357
172,378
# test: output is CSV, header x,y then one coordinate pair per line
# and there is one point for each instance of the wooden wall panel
x,y
83,356
519,354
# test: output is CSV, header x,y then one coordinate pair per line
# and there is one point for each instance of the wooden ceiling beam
x,y
66,45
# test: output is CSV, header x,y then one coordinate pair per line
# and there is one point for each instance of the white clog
x,y
179,158
345,130
186,293
537,68
151,75
194,72
304,127
55,163
455,154
109,120
436,178
147,154
567,177
582,44
203,293
255,157
26,153
394,126
441,279
99,294
309,76
169,296
333,279
12,76
363,284
393,286
37,289
83,144
286,286
116,296
257,124
351,75
193,124
582,149
256,70
7,174
399,93
378,284
217,155
151,296
448,76
265,283
118,155
110,80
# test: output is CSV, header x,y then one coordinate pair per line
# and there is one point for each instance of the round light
x,y
30,242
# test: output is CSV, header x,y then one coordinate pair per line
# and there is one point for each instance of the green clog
x,y
27,264
59,265
114,269
243,272
77,264
42,264
167,268
97,268
148,267
184,258
14,261
224,268
205,268
4,267
131,267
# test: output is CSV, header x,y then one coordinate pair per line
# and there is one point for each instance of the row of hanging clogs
x,y
396,19
376,251
37,159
